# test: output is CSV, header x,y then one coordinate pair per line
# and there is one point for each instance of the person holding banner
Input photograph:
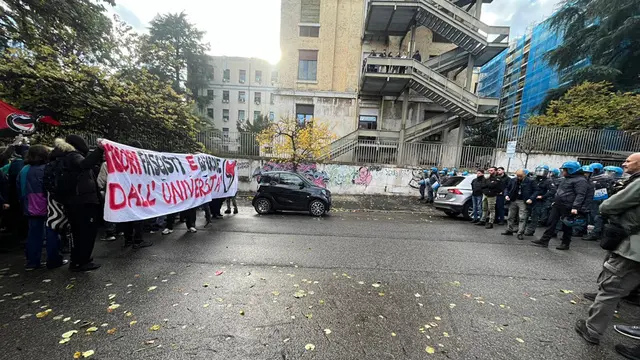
x,y
77,190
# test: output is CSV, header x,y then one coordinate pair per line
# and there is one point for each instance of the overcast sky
x,y
251,27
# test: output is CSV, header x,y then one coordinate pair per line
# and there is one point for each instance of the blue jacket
x,y
33,197
527,189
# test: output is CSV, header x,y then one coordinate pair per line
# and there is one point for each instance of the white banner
x,y
143,184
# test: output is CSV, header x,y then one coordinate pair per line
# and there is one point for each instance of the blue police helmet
x,y
572,167
615,171
425,171
450,173
542,170
587,169
445,169
434,169
465,173
596,167
442,172
555,171
526,172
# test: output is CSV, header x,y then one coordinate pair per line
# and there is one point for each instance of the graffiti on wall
x,y
363,177
416,176
309,171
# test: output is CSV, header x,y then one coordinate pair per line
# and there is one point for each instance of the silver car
x,y
454,196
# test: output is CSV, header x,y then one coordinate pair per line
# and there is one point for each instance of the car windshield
x,y
453,181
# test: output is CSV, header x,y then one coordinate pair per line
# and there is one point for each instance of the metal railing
x,y
569,140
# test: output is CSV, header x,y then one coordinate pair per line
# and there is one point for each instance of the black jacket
x,y
477,185
86,189
544,185
572,191
588,198
526,188
494,186
505,181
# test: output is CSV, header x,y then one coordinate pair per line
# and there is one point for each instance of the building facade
x,y
241,89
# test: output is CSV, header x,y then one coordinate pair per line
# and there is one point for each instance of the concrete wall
x,y
340,179
518,162
338,112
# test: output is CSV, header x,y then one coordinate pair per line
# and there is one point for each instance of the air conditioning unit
x,y
257,102
225,119
225,101
241,81
241,100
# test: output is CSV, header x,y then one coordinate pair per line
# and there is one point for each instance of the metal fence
x,y
569,140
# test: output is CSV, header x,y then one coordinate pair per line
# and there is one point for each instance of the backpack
x,y
65,181
50,174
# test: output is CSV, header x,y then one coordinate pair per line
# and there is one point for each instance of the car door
x,y
290,195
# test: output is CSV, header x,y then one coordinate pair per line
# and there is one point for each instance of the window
x,y
274,76
226,75
210,94
272,116
210,113
367,122
290,179
309,31
258,76
225,114
225,96
304,113
243,76
268,179
210,72
310,11
257,97
307,65
225,133
241,115
256,115
242,96
271,99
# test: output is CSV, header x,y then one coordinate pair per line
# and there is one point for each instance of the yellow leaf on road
x,y
393,334
133,323
573,302
151,288
155,328
430,350
445,334
64,341
275,293
566,291
437,318
380,294
77,355
519,340
92,329
327,331
205,305
451,306
111,331
309,347
69,334
112,296
88,353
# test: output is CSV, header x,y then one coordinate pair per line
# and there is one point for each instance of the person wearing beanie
x,y
81,199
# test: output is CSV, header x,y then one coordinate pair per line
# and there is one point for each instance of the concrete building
x,y
325,44
241,89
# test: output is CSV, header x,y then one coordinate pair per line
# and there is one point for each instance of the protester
x,y
621,272
417,56
190,220
133,230
521,192
568,201
500,206
15,217
477,185
215,207
78,192
33,198
543,186
101,180
492,188
235,205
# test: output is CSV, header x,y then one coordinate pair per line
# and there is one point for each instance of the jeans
x,y
489,209
557,211
232,200
619,277
37,233
517,210
536,213
477,206
499,206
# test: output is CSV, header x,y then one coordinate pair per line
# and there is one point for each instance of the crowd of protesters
x,y
56,195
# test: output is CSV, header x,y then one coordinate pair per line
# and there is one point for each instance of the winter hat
x,y
78,142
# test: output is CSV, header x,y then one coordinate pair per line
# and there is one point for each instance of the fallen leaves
x,y
566,291
219,272
393,334
69,287
111,331
155,328
437,318
275,293
151,288
573,302
430,350
309,347
451,306
300,294
205,305
112,307
445,334
376,285
83,355
455,283
112,296
327,331
64,341
308,316
69,334
519,340
42,314
132,323
380,294
241,312
206,285
417,295
92,329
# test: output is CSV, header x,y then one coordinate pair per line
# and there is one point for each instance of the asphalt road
x,y
350,286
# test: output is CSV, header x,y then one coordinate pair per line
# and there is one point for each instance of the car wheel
x,y
451,213
467,210
317,208
263,206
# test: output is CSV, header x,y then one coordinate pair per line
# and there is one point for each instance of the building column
x,y
478,9
403,125
412,42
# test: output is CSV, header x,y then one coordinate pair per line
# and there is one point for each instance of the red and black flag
x,y
14,121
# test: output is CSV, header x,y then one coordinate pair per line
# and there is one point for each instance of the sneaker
x,y
62,263
627,352
85,267
581,328
235,211
520,237
590,296
630,331
508,232
167,231
540,243
142,244
563,246
207,223
488,226
109,238
192,230
228,211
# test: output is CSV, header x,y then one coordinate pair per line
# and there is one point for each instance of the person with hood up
x,y
33,196
568,200
80,196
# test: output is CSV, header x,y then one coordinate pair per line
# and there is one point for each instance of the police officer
x,y
432,183
543,185
587,171
423,184
443,175
603,186
554,177
568,200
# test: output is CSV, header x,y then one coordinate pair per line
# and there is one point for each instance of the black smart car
x,y
281,190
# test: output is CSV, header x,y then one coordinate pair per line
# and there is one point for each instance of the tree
x,y
70,27
592,106
296,141
484,134
174,51
607,33
257,126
